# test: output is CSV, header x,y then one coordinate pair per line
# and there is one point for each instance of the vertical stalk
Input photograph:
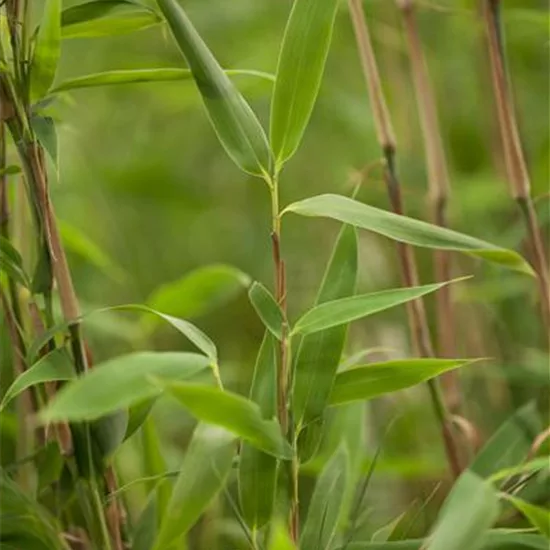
x,y
516,167
438,194
417,314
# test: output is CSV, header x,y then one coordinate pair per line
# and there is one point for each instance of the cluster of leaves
x,y
244,438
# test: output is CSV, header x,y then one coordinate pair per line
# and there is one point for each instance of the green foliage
x,y
267,309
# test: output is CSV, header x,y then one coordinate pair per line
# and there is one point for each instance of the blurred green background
x,y
142,175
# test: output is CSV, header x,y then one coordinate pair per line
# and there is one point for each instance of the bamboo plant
x,y
249,452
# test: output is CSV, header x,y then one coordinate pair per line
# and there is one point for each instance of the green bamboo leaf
x,y
199,291
342,311
137,415
406,230
280,538
370,381
10,170
44,128
12,263
258,470
319,354
326,504
236,125
511,443
47,49
204,471
537,516
145,531
267,309
232,412
108,432
136,76
535,465
119,383
302,60
54,367
466,515
106,17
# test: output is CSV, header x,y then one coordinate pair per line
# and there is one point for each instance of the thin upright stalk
x,y
516,167
438,194
417,314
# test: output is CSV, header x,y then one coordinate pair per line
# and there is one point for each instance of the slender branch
x,y
386,138
516,167
438,195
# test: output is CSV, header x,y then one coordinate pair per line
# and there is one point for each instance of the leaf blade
x,y
267,309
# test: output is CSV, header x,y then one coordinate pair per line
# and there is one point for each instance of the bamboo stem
x,y
417,314
516,167
438,194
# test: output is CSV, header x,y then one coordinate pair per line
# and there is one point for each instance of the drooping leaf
x,y
56,366
301,64
258,470
46,52
78,242
467,514
267,309
405,229
234,413
326,504
205,468
236,125
511,443
199,291
135,76
538,517
119,383
343,311
319,354
106,17
12,263
369,381
44,128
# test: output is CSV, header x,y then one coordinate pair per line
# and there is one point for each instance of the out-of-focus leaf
x,y
46,50
326,504
12,263
467,514
44,128
537,516
205,468
342,311
10,170
55,366
301,65
280,538
267,309
199,291
234,413
108,433
137,414
369,381
535,465
236,125
258,470
510,444
78,242
119,383
319,354
106,17
406,230
145,531
135,76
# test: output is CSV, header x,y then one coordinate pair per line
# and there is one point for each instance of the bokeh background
x,y
143,177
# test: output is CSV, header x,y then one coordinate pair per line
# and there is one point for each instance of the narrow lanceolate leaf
x,y
119,383
55,366
46,50
236,125
258,470
342,311
106,17
467,514
204,471
319,354
406,230
302,60
326,504
537,516
267,309
136,76
12,263
234,413
370,381
44,128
